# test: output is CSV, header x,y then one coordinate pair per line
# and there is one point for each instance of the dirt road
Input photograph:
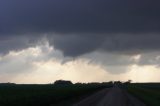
x,y
113,97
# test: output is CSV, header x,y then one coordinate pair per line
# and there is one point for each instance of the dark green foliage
x,y
148,93
62,82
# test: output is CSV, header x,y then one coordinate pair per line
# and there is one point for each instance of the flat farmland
x,y
149,93
45,95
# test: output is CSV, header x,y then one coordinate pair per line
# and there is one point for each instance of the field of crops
x,y
60,95
148,93
45,95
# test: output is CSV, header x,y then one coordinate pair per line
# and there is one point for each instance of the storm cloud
x,y
80,27
99,40
80,16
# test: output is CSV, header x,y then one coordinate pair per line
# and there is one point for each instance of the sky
x,y
79,40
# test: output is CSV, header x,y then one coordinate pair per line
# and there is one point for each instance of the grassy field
x,y
45,95
148,93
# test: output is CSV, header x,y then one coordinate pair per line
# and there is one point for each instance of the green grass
x,y
150,96
43,95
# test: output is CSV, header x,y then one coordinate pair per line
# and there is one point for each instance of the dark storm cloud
x,y
80,16
83,26
13,42
130,44
74,45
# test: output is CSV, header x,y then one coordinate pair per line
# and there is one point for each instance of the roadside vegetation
x,y
149,93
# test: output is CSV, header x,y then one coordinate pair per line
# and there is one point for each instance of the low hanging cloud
x,y
129,44
43,64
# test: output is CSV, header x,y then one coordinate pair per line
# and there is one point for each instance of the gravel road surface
x,y
111,97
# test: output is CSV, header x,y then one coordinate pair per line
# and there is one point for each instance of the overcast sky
x,y
99,40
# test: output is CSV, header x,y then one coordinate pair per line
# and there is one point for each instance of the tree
x,y
62,82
